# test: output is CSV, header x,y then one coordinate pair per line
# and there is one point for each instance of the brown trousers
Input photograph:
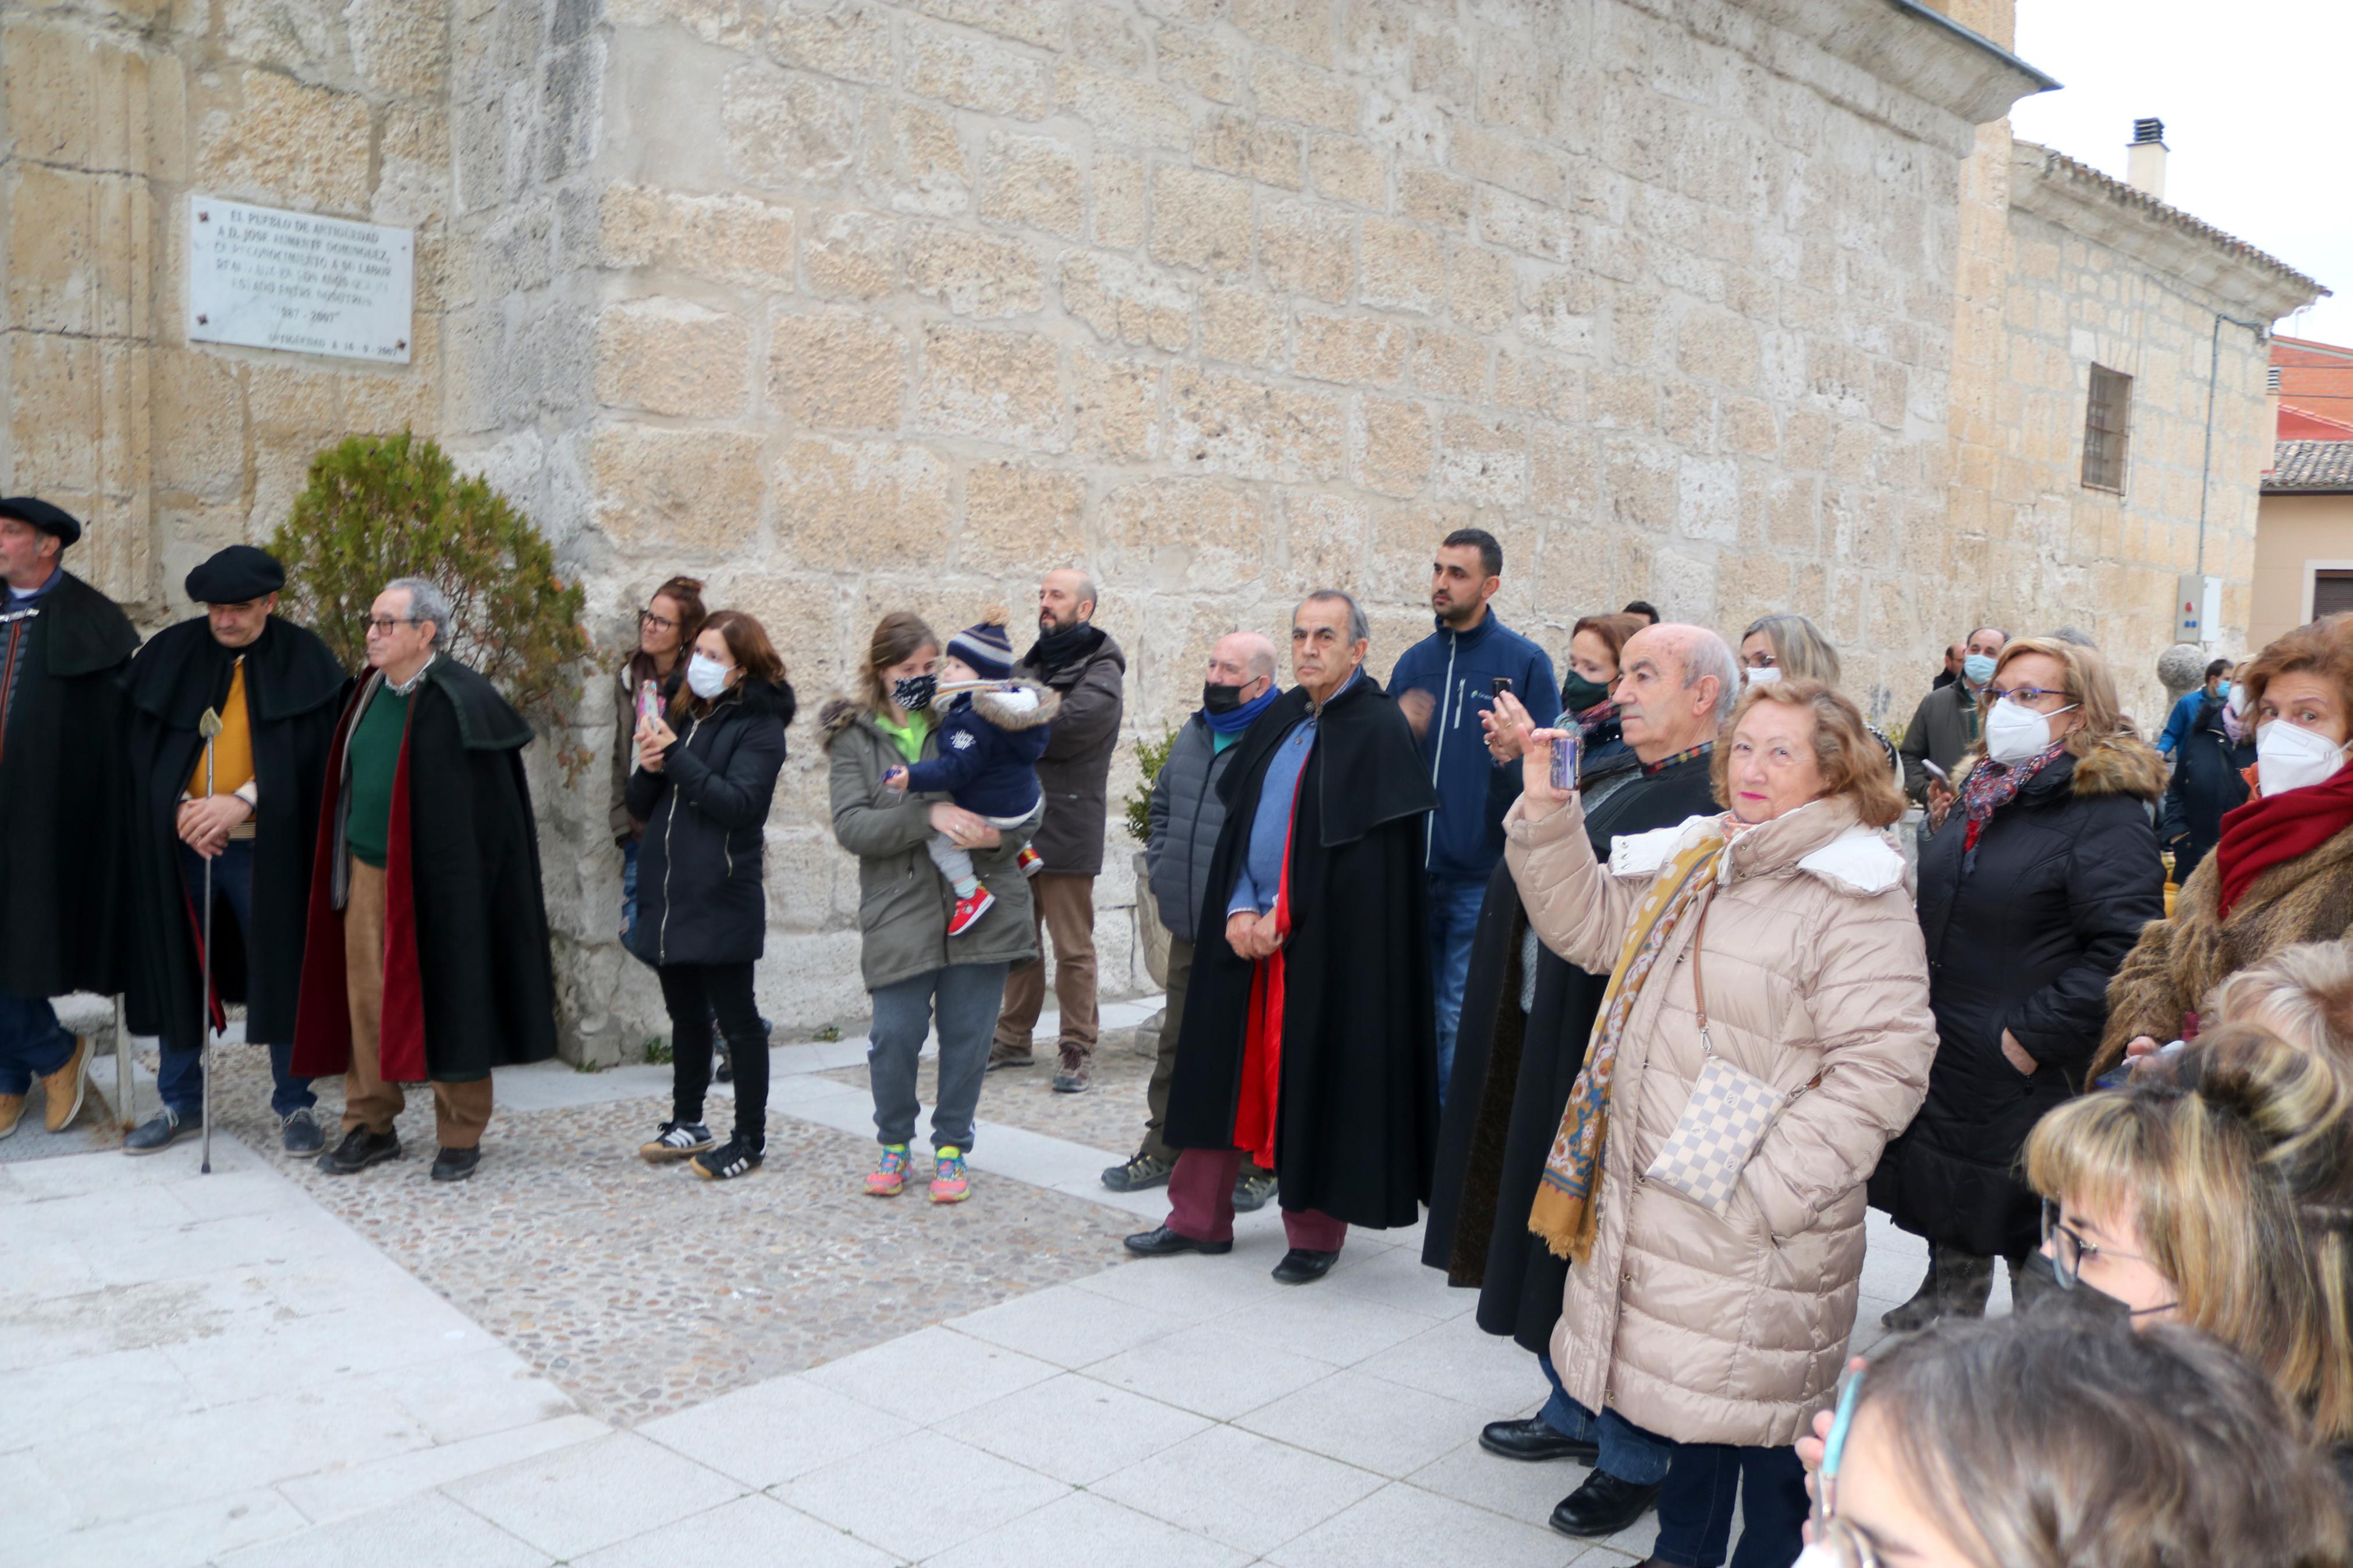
x,y
460,1110
1064,906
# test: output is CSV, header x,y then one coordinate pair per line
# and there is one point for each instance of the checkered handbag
x,y
1727,1118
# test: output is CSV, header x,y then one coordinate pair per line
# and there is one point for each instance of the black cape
x,y
293,690
62,792
1512,1072
1356,1110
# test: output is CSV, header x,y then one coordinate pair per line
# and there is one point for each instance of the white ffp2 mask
x,y
2014,733
2288,757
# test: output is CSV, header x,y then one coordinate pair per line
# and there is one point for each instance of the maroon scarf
x,y
2270,828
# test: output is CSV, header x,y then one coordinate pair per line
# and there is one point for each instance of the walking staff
x,y
209,727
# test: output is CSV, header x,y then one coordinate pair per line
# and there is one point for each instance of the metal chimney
x,y
2146,172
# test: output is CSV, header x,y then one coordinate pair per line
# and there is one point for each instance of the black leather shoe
x,y
455,1164
1163,1242
1532,1439
1301,1267
1604,1505
358,1151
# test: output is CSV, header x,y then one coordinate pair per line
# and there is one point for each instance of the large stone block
x,y
1450,365
1177,533
836,37
54,410
1238,144
1715,345
1244,325
1363,349
1346,170
851,254
1324,541
1222,423
999,386
672,356
861,505
732,24
727,238
74,99
1126,301
787,128
915,160
1428,195
1479,287
284,142
400,50
1018,515
1200,220
685,491
1393,445
1201,61
1302,27
973,274
199,416
1040,21
1119,213
1034,181
1124,111
1306,248
972,73
1288,90
836,369
1115,406
1403,267
78,252
1481,460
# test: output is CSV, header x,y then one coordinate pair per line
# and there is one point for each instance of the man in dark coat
x,y
2209,779
1308,1037
277,689
1077,660
63,644
426,956
1526,1020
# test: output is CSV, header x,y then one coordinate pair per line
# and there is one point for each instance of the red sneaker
x,y
1030,861
968,911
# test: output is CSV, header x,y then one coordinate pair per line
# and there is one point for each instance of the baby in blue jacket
x,y
989,743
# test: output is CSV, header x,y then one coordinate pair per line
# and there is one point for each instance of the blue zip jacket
x,y
989,745
1457,668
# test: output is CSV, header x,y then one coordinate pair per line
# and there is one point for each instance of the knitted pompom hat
x,y
985,648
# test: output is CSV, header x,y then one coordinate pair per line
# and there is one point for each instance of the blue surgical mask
x,y
1979,668
2223,689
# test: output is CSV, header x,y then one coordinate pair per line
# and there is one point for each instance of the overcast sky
x,y
2256,100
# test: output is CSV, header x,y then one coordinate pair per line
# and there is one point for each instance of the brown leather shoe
x,y
1001,1054
12,1110
67,1086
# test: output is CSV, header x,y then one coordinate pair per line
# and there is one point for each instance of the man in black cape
x,y
277,689
63,644
1527,1016
1308,1035
426,956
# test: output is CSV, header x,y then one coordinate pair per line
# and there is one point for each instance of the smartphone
x,y
1939,774
1565,749
649,701
1499,685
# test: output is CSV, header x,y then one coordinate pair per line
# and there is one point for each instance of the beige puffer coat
x,y
1734,1330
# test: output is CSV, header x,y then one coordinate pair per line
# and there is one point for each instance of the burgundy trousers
x,y
1201,1203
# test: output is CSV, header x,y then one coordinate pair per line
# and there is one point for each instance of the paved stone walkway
x,y
263,1366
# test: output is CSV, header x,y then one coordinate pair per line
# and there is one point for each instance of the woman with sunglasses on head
x,y
2052,1442
2282,872
2031,895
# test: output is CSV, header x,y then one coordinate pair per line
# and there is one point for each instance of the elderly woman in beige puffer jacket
x,y
1788,919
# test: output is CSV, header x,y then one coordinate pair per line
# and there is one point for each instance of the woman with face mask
x,y
1791,647
2030,894
706,773
2282,872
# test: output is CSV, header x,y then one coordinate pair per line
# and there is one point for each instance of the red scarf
x,y
2270,828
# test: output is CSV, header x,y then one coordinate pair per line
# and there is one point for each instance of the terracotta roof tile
x,y
2309,466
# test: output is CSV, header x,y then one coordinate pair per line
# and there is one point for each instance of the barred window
x,y
2332,593
2107,425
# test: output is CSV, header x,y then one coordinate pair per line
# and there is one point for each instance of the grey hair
x,y
426,602
1261,651
1360,628
2070,634
1707,654
1799,648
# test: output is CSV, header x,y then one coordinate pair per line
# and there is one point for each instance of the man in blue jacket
x,y
1441,685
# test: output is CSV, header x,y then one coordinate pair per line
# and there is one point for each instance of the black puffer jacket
x,y
2066,874
1187,814
2208,780
699,896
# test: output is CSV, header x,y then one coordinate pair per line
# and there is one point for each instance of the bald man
x,y
1085,668
1188,814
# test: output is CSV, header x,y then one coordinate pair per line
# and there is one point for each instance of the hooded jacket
x,y
1074,770
701,898
1735,1330
903,902
989,743
2066,874
1458,670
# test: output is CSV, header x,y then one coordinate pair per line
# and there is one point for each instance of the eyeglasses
x,y
2023,695
381,626
2068,1250
1762,661
1847,1544
647,619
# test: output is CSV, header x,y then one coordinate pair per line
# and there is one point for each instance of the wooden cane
x,y
209,727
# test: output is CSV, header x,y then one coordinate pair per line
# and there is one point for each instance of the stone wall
x,y
114,112
845,306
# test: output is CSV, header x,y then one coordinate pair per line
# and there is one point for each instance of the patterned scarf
x,y
1566,1212
1992,785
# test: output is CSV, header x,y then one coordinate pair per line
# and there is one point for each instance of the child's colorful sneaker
x,y
950,1184
889,1178
1029,860
969,910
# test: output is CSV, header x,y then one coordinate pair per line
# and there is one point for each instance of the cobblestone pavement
x,y
1109,1115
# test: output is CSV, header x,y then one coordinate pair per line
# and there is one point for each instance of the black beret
x,y
42,515
234,575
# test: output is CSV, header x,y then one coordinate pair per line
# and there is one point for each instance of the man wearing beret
x,y
63,644
252,819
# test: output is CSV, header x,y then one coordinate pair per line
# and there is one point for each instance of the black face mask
x,y
1219,698
2089,1302
1577,694
916,692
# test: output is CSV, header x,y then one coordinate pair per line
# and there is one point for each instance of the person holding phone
x,y
646,682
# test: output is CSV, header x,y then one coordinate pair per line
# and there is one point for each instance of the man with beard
x,y
252,817
427,954
62,646
1080,663
1527,1019
1445,685
1306,1038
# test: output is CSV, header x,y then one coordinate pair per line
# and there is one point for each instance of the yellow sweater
x,y
232,753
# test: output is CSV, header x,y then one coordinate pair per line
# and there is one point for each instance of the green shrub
x,y
1150,755
380,507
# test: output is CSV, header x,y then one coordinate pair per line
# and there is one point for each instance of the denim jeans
x,y
1628,1452
966,997
33,1044
1453,921
628,888
1695,1506
180,1066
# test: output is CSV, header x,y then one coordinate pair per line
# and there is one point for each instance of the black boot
x,y
1604,1505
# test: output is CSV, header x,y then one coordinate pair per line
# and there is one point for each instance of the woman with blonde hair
x,y
2217,1190
1766,971
2282,872
2302,993
1789,647
2031,895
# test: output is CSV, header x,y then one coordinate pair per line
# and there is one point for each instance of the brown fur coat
x,y
2176,962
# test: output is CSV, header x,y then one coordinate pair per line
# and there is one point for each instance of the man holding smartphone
x,y
1442,685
